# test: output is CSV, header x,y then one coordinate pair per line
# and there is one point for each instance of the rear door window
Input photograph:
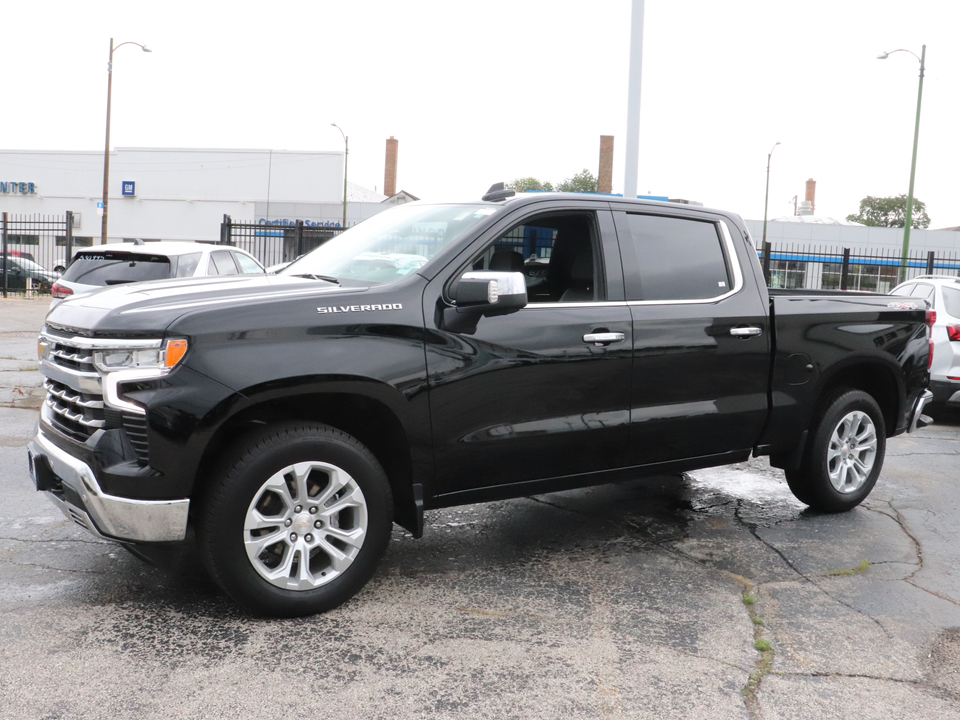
x,y
116,267
925,291
903,290
248,266
678,259
221,263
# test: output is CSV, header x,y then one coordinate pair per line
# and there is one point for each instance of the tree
x,y
890,212
528,184
583,182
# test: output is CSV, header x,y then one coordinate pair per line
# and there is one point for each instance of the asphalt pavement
x,y
709,595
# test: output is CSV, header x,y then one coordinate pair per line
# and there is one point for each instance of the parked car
x,y
290,419
20,268
118,263
942,294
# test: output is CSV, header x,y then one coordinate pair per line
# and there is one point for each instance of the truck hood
x,y
147,308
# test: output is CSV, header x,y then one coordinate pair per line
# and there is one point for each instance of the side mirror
x,y
484,294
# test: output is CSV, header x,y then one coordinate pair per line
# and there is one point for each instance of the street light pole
x,y
346,155
766,195
106,144
913,160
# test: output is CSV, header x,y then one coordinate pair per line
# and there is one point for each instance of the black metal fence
x,y
273,244
803,266
34,250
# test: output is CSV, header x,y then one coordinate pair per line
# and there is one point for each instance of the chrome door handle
x,y
604,338
745,331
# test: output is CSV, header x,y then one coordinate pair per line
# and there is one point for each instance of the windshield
x,y
390,245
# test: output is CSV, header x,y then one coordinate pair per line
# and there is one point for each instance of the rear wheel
x,y
298,520
845,455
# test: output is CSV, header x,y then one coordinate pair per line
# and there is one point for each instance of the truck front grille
x,y
73,413
71,358
74,403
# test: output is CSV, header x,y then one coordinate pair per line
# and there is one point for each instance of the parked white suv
x,y
96,267
942,292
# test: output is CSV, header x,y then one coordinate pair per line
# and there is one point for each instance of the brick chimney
x,y
390,168
605,174
811,195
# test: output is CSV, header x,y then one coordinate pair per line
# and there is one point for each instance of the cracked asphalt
x,y
714,594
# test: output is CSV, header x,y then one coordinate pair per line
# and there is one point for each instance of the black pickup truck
x,y
442,354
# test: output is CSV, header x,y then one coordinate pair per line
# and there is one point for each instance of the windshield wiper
x,y
312,276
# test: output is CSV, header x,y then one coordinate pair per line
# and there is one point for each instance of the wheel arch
x,y
879,380
360,409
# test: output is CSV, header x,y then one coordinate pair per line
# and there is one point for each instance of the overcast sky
x,y
478,92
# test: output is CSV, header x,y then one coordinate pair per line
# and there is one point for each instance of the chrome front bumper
x,y
72,486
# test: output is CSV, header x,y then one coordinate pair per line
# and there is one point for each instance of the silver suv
x,y
942,292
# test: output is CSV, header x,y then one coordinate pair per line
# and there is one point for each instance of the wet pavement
x,y
714,594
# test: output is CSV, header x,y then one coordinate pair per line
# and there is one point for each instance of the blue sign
x,y
129,188
306,223
24,188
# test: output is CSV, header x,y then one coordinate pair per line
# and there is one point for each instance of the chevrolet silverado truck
x,y
279,425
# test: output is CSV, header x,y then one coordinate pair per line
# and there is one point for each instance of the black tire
x,y
258,530
844,455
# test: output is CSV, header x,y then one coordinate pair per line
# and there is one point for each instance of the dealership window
x,y
868,278
789,274
23,239
78,241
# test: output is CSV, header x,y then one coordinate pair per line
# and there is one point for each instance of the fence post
x,y
845,269
3,231
69,255
930,263
299,236
766,263
225,230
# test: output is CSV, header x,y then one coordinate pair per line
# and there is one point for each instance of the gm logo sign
x,y
129,188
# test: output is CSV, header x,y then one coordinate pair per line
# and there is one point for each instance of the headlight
x,y
162,356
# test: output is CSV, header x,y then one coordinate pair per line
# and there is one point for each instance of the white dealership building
x,y
183,194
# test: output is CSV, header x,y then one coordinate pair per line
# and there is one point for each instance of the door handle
x,y
744,332
604,338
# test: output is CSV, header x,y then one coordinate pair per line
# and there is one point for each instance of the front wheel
x,y
297,521
845,453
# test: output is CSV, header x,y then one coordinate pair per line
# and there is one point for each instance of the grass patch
x,y
764,664
859,570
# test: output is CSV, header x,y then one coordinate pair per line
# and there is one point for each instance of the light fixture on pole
x,y
908,220
766,195
106,145
346,153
